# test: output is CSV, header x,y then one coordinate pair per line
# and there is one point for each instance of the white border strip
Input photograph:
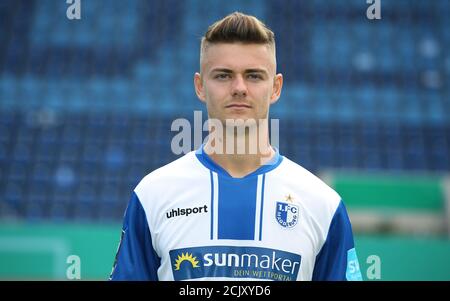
x,y
258,208
216,205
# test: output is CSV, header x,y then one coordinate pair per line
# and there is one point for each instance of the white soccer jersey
x,y
190,220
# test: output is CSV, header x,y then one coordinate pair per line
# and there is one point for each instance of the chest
x,y
235,228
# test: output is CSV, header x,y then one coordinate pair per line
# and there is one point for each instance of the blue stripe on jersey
x,y
262,207
337,258
237,206
237,198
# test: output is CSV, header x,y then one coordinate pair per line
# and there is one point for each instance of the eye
x,y
222,76
254,76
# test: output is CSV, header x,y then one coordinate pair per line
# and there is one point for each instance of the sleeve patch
x,y
353,272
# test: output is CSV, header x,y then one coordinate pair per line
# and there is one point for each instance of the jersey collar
x,y
206,160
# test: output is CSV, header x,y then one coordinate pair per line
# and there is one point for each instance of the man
x,y
220,213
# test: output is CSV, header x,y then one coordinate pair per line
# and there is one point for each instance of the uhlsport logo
x,y
234,262
186,211
287,213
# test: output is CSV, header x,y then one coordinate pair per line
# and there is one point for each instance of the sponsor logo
x,y
287,213
234,262
186,211
353,272
186,257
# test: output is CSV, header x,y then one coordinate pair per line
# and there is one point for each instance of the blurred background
x,y
86,108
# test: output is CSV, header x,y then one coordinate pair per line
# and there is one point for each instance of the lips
x,y
238,105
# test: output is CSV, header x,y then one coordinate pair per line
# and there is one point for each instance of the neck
x,y
240,153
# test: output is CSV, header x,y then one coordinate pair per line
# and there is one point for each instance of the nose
x,y
239,88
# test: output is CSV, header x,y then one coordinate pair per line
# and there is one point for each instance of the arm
x,y
337,259
136,258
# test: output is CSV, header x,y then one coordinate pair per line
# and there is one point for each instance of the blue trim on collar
x,y
206,160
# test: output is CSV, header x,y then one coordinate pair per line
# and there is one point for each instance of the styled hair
x,y
238,27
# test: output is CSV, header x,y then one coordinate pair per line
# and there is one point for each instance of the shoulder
x,y
315,194
319,203
176,172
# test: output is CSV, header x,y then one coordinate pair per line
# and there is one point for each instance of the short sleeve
x,y
136,258
337,260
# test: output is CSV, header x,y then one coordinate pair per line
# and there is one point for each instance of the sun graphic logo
x,y
186,257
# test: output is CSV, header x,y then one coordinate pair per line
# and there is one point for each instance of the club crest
x,y
287,213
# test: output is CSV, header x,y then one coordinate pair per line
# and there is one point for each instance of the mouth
x,y
238,105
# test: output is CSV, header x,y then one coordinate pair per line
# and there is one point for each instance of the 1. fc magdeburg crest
x,y
287,214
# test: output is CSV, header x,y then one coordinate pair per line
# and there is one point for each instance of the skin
x,y
239,81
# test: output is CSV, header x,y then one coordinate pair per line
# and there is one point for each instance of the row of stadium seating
x,y
84,159
342,68
367,103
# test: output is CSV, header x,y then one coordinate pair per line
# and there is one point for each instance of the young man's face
x,y
238,81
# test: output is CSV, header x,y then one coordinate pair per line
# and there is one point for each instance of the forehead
x,y
238,56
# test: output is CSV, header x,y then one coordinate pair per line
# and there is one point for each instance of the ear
x,y
277,86
198,84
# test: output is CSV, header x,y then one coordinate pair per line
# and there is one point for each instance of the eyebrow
x,y
225,70
253,70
